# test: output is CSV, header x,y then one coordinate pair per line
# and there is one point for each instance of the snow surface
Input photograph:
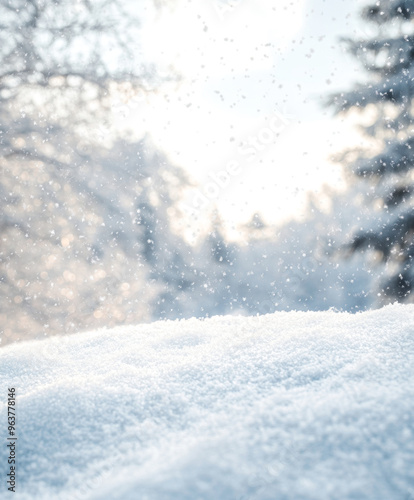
x,y
296,406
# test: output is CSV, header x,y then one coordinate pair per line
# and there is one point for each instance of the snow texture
x,y
298,406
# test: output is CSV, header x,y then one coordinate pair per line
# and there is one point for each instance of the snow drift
x,y
296,406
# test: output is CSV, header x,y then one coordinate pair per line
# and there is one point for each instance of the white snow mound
x,y
287,406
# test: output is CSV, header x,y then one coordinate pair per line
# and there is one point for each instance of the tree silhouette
x,y
386,172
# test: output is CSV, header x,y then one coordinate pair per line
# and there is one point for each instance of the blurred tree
x,y
387,171
75,251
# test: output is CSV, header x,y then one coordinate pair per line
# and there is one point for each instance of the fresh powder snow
x,y
286,406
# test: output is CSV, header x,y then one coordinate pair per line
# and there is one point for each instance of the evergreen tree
x,y
386,172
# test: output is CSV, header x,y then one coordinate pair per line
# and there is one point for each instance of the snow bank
x,y
296,406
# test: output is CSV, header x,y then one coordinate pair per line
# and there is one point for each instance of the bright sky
x,y
254,73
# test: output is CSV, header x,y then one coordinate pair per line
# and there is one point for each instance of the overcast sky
x,y
254,76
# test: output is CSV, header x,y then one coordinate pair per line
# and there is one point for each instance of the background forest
x,y
94,216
